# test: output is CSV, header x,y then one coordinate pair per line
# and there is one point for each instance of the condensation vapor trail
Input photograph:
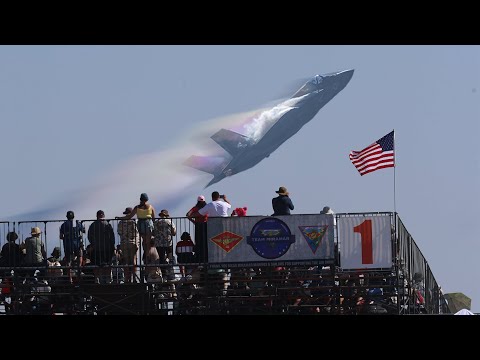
x,y
160,174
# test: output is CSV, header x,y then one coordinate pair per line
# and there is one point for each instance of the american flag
x,y
378,155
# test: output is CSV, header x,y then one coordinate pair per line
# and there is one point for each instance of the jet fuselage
x,y
317,92
246,151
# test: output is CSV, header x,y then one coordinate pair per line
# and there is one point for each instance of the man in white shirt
x,y
218,207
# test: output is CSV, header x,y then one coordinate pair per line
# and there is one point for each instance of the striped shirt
x,y
185,246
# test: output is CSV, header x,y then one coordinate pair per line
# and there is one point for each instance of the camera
x,y
222,196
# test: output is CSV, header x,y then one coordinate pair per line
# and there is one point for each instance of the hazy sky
x,y
92,127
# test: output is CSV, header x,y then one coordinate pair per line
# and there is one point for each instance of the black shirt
x,y
282,205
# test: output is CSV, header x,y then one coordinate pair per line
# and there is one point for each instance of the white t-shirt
x,y
215,209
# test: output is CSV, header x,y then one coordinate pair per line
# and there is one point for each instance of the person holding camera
x,y
218,207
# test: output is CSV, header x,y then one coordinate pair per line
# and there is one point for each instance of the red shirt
x,y
185,247
198,219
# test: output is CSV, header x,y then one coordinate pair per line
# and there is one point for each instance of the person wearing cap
x,y
218,207
184,250
200,222
35,255
199,205
55,255
326,210
71,233
164,230
11,254
282,204
145,215
129,243
101,236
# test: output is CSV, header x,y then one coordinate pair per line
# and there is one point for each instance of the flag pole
x,y
395,239
394,174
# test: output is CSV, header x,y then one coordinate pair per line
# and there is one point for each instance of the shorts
x,y
144,225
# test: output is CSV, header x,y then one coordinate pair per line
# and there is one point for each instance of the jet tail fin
x,y
209,164
231,141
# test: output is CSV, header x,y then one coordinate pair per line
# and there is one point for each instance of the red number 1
x,y
365,231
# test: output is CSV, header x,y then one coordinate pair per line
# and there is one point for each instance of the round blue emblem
x,y
270,238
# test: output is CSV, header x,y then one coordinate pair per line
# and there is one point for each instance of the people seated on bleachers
x,y
54,262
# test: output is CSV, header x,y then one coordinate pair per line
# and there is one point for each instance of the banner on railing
x,y
259,238
365,242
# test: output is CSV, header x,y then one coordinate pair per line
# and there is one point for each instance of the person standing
x,y
328,211
200,222
11,255
35,254
164,230
184,251
101,236
218,207
282,204
199,205
129,242
71,233
145,215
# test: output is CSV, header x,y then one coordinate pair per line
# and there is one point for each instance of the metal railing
x,y
421,292
407,287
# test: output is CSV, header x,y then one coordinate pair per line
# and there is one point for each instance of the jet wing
x,y
231,141
210,164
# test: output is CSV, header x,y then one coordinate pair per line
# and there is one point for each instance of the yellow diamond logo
x,y
227,240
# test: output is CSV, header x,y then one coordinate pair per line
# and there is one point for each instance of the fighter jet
x,y
269,129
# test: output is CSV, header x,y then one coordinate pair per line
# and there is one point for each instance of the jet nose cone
x,y
346,75
342,78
